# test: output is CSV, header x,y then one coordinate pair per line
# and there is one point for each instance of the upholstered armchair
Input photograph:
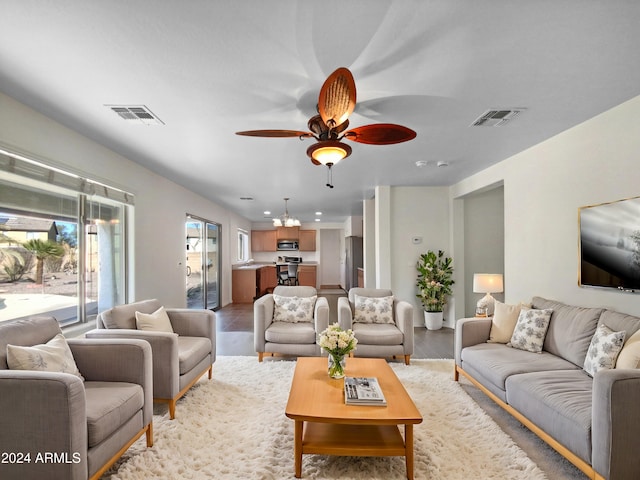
x,y
184,346
289,321
382,324
72,425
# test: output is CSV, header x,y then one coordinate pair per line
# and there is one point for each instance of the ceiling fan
x,y
336,103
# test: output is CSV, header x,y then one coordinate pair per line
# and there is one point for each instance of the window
x,y
243,245
62,243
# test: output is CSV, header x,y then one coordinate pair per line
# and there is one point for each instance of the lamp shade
x,y
488,283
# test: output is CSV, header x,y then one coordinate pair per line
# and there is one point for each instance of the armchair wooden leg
x,y
260,354
172,408
210,372
407,359
150,435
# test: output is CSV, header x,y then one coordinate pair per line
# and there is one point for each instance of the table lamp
x,y
487,283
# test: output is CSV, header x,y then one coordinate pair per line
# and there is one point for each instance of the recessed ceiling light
x,y
442,163
317,219
267,212
421,163
318,213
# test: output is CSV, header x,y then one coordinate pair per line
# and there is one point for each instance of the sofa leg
x,y
260,354
456,374
172,408
210,372
407,359
150,435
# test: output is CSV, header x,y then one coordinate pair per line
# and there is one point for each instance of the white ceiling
x,y
210,68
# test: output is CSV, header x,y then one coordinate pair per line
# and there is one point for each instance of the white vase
x,y
433,320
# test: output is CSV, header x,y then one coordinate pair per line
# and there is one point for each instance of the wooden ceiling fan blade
x,y
274,133
380,134
337,98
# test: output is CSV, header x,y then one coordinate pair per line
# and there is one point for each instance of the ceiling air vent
x,y
136,114
496,118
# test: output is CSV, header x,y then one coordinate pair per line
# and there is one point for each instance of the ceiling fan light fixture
x,y
329,152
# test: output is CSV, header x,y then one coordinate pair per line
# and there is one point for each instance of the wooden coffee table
x,y
324,425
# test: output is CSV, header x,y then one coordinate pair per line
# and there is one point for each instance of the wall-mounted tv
x,y
610,245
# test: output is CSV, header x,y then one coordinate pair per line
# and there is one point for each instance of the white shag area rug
x,y
234,427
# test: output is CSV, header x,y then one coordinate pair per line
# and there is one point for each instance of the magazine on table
x,y
363,391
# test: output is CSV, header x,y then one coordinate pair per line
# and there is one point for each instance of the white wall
x,y
158,254
544,186
417,212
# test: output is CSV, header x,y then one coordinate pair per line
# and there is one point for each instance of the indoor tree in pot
x,y
435,278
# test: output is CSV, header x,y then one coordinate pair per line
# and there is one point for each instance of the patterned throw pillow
x,y
53,356
531,328
293,309
373,309
604,349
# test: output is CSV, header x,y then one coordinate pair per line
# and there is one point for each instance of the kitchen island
x,y
250,281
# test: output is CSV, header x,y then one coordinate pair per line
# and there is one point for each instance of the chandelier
x,y
285,220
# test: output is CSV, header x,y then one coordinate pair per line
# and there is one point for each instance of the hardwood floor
x,y
234,326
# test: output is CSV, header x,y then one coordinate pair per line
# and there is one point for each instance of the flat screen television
x,y
610,245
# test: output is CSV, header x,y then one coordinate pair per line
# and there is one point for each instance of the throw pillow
x,y
157,321
373,309
293,309
503,322
53,356
603,350
530,329
630,354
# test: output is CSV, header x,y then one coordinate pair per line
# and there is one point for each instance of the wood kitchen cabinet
x,y
287,233
267,279
263,241
307,240
307,275
243,285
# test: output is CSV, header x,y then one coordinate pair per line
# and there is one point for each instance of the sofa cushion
x,y
124,316
157,321
373,309
630,354
53,356
191,351
378,334
617,321
503,322
604,349
109,405
293,309
560,404
285,332
497,362
570,329
530,330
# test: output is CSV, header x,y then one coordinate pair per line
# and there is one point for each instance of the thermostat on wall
x,y
416,240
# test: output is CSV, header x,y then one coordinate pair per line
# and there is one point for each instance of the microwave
x,y
287,245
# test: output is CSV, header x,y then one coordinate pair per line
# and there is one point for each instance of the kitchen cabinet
x,y
307,275
263,241
243,285
307,240
267,279
287,233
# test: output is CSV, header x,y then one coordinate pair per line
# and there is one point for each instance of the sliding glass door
x,y
203,263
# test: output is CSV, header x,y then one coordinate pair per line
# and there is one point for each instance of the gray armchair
x,y
87,425
180,358
288,338
379,339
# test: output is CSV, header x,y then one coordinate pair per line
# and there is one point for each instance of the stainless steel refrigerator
x,y
353,261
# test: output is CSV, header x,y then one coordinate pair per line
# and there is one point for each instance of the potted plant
x,y
434,286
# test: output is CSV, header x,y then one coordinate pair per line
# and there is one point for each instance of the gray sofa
x,y
593,422
87,425
180,358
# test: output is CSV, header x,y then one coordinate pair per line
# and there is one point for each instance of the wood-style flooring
x,y
234,326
